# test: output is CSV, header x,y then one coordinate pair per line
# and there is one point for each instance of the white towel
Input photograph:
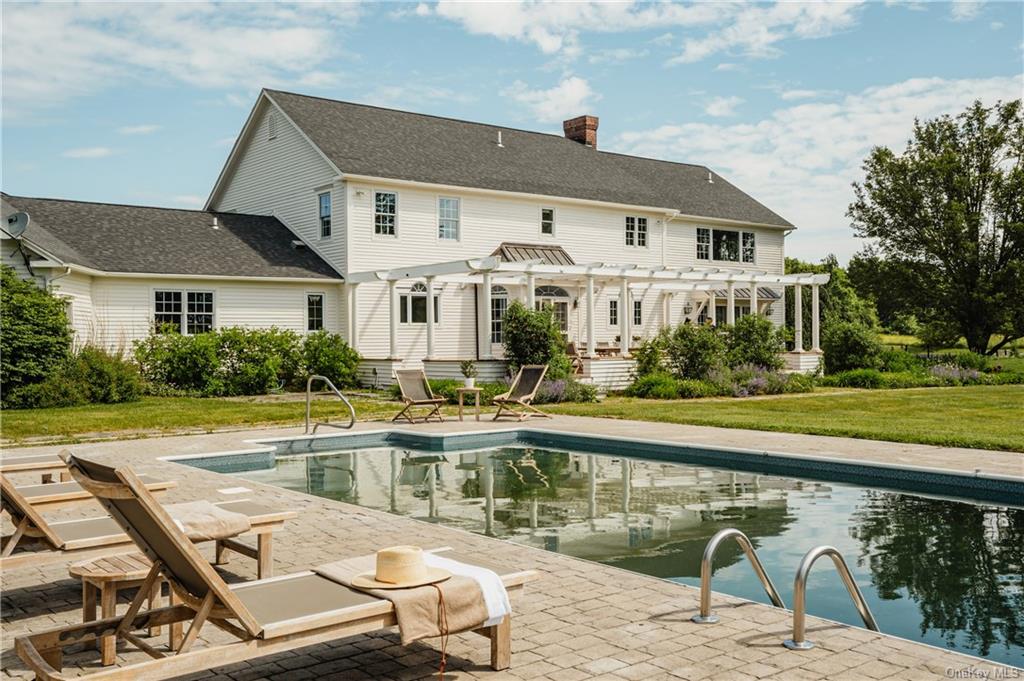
x,y
495,595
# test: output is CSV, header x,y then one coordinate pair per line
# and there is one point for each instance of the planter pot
x,y
470,382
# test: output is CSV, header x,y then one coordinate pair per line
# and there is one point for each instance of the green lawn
x,y
987,417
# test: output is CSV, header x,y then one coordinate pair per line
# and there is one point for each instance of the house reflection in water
x,y
647,516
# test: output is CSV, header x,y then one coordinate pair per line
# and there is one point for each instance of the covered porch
x,y
638,301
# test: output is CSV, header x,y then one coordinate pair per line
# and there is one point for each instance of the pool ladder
x,y
310,426
799,641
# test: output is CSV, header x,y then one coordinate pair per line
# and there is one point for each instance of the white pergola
x,y
492,270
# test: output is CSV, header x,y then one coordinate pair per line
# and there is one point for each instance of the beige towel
x,y
204,521
416,609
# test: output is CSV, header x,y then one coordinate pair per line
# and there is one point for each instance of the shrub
x,y
565,390
659,385
689,388
577,391
534,337
967,360
256,361
904,324
186,363
327,354
694,351
850,345
855,378
36,334
650,354
900,360
799,383
753,339
90,375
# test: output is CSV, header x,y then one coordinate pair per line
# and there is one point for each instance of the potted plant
x,y
469,372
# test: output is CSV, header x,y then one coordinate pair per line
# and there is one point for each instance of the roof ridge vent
x,y
500,145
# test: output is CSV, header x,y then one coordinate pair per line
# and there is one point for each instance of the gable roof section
x,y
372,141
144,240
546,253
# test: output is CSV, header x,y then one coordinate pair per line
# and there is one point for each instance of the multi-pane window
x,y
748,247
638,313
314,311
547,221
385,211
188,312
167,309
613,312
703,243
412,307
324,201
200,312
725,245
636,231
447,218
499,305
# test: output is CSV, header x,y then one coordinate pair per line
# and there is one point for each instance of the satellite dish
x,y
17,224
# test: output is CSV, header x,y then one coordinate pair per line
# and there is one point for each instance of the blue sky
x,y
139,103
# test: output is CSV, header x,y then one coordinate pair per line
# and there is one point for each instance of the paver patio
x,y
581,621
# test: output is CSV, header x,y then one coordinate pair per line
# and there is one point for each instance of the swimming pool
x,y
947,572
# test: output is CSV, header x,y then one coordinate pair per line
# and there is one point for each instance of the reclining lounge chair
x,y
265,616
518,400
69,540
416,392
44,464
54,494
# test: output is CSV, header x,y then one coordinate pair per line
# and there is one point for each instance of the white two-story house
x,y
410,235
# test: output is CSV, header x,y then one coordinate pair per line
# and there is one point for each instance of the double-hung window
x,y
613,312
726,245
547,221
638,313
499,305
385,213
636,231
448,218
188,312
324,201
703,243
748,247
314,311
412,307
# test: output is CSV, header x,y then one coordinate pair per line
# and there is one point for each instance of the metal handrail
x,y
705,616
798,642
309,399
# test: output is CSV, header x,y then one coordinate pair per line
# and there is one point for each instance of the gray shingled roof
x,y
119,238
368,140
547,253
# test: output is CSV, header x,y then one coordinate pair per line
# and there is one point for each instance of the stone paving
x,y
580,621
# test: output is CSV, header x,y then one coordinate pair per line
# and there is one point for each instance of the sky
x,y
140,102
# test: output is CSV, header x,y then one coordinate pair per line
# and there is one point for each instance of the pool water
x,y
943,572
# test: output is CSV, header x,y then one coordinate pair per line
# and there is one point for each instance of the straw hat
x,y
400,567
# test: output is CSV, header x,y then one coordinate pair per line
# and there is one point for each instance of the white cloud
x,y
616,55
53,52
572,96
723,106
801,159
790,95
965,10
88,152
728,66
144,129
663,39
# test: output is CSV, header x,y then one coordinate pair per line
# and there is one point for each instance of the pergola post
x,y
591,340
531,291
485,333
753,297
624,313
392,319
798,319
730,311
712,312
353,315
430,316
815,320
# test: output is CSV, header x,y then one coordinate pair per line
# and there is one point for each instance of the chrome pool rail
x,y
799,642
309,399
706,616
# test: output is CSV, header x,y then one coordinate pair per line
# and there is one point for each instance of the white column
x,y
531,290
666,317
591,340
353,316
430,317
815,320
485,333
753,297
624,313
711,306
798,319
730,310
392,319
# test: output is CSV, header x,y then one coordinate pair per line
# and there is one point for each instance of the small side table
x,y
107,576
476,395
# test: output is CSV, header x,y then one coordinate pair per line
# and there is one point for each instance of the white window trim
x,y
554,222
711,246
437,217
637,306
647,233
373,213
319,226
184,305
305,313
614,323
407,294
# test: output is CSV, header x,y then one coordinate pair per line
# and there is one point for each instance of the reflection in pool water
x,y
942,572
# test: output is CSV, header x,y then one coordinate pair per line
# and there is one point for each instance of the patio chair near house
x,y
416,392
575,357
518,400
263,617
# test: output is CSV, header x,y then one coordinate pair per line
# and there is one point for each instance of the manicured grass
x,y
986,417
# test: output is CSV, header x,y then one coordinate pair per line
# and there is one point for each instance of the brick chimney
x,y
582,129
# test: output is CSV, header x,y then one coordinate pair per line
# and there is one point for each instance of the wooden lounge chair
x,y
44,464
575,357
265,617
517,401
51,495
69,540
416,392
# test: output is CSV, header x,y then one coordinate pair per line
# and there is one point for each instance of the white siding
x,y
77,290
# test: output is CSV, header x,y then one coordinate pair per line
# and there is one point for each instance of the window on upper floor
x,y
188,312
726,245
324,202
412,307
636,231
314,311
748,247
448,218
385,213
703,243
547,221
